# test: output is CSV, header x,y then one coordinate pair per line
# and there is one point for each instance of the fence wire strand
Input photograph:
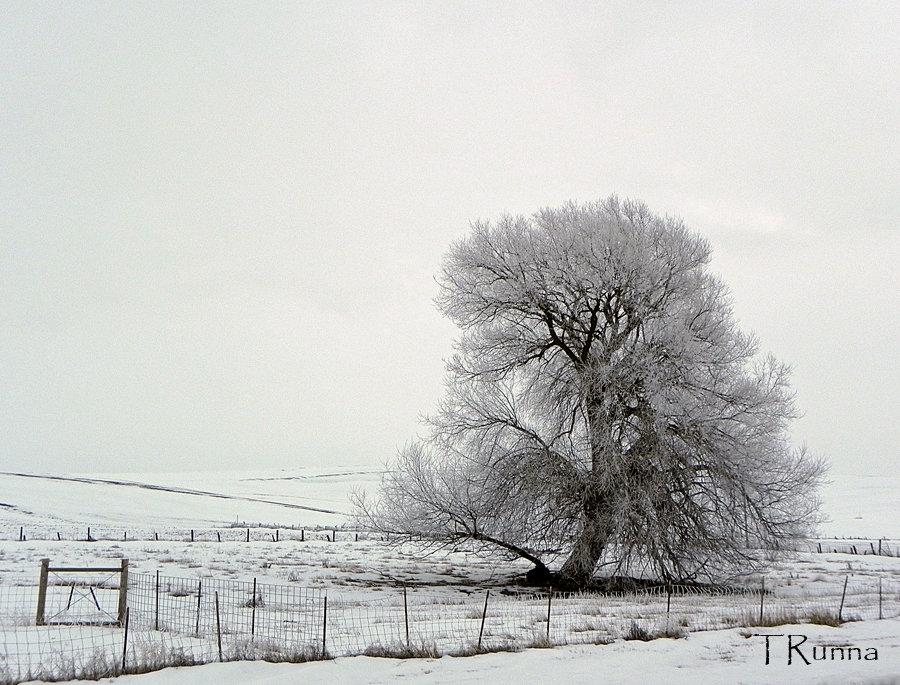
x,y
185,621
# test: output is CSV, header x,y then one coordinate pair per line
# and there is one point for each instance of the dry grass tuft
x,y
401,651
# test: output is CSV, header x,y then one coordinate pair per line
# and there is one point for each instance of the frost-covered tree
x,y
603,408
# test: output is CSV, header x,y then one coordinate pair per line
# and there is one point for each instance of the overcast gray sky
x,y
220,222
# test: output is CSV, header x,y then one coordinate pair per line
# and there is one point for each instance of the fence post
x,y
253,611
123,593
218,626
549,602
21,533
199,593
248,535
156,604
406,616
879,546
483,617
843,595
125,641
879,599
668,604
762,597
324,623
42,592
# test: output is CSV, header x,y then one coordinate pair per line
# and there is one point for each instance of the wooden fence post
x,y
42,592
123,594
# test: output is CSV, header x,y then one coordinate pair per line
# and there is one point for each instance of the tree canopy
x,y
603,408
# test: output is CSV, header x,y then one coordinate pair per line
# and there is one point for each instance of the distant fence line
x,y
242,532
261,532
180,621
885,547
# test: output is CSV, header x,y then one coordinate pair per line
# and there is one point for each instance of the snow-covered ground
x,y
712,658
285,497
855,506
862,506
127,513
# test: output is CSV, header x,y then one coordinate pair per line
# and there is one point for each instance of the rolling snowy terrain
x,y
149,518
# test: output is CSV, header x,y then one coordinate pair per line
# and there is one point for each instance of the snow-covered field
x,y
149,519
713,658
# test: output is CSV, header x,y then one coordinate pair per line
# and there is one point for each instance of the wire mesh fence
x,y
182,621
206,608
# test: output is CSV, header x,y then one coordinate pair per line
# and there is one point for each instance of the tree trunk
x,y
578,570
596,519
539,575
